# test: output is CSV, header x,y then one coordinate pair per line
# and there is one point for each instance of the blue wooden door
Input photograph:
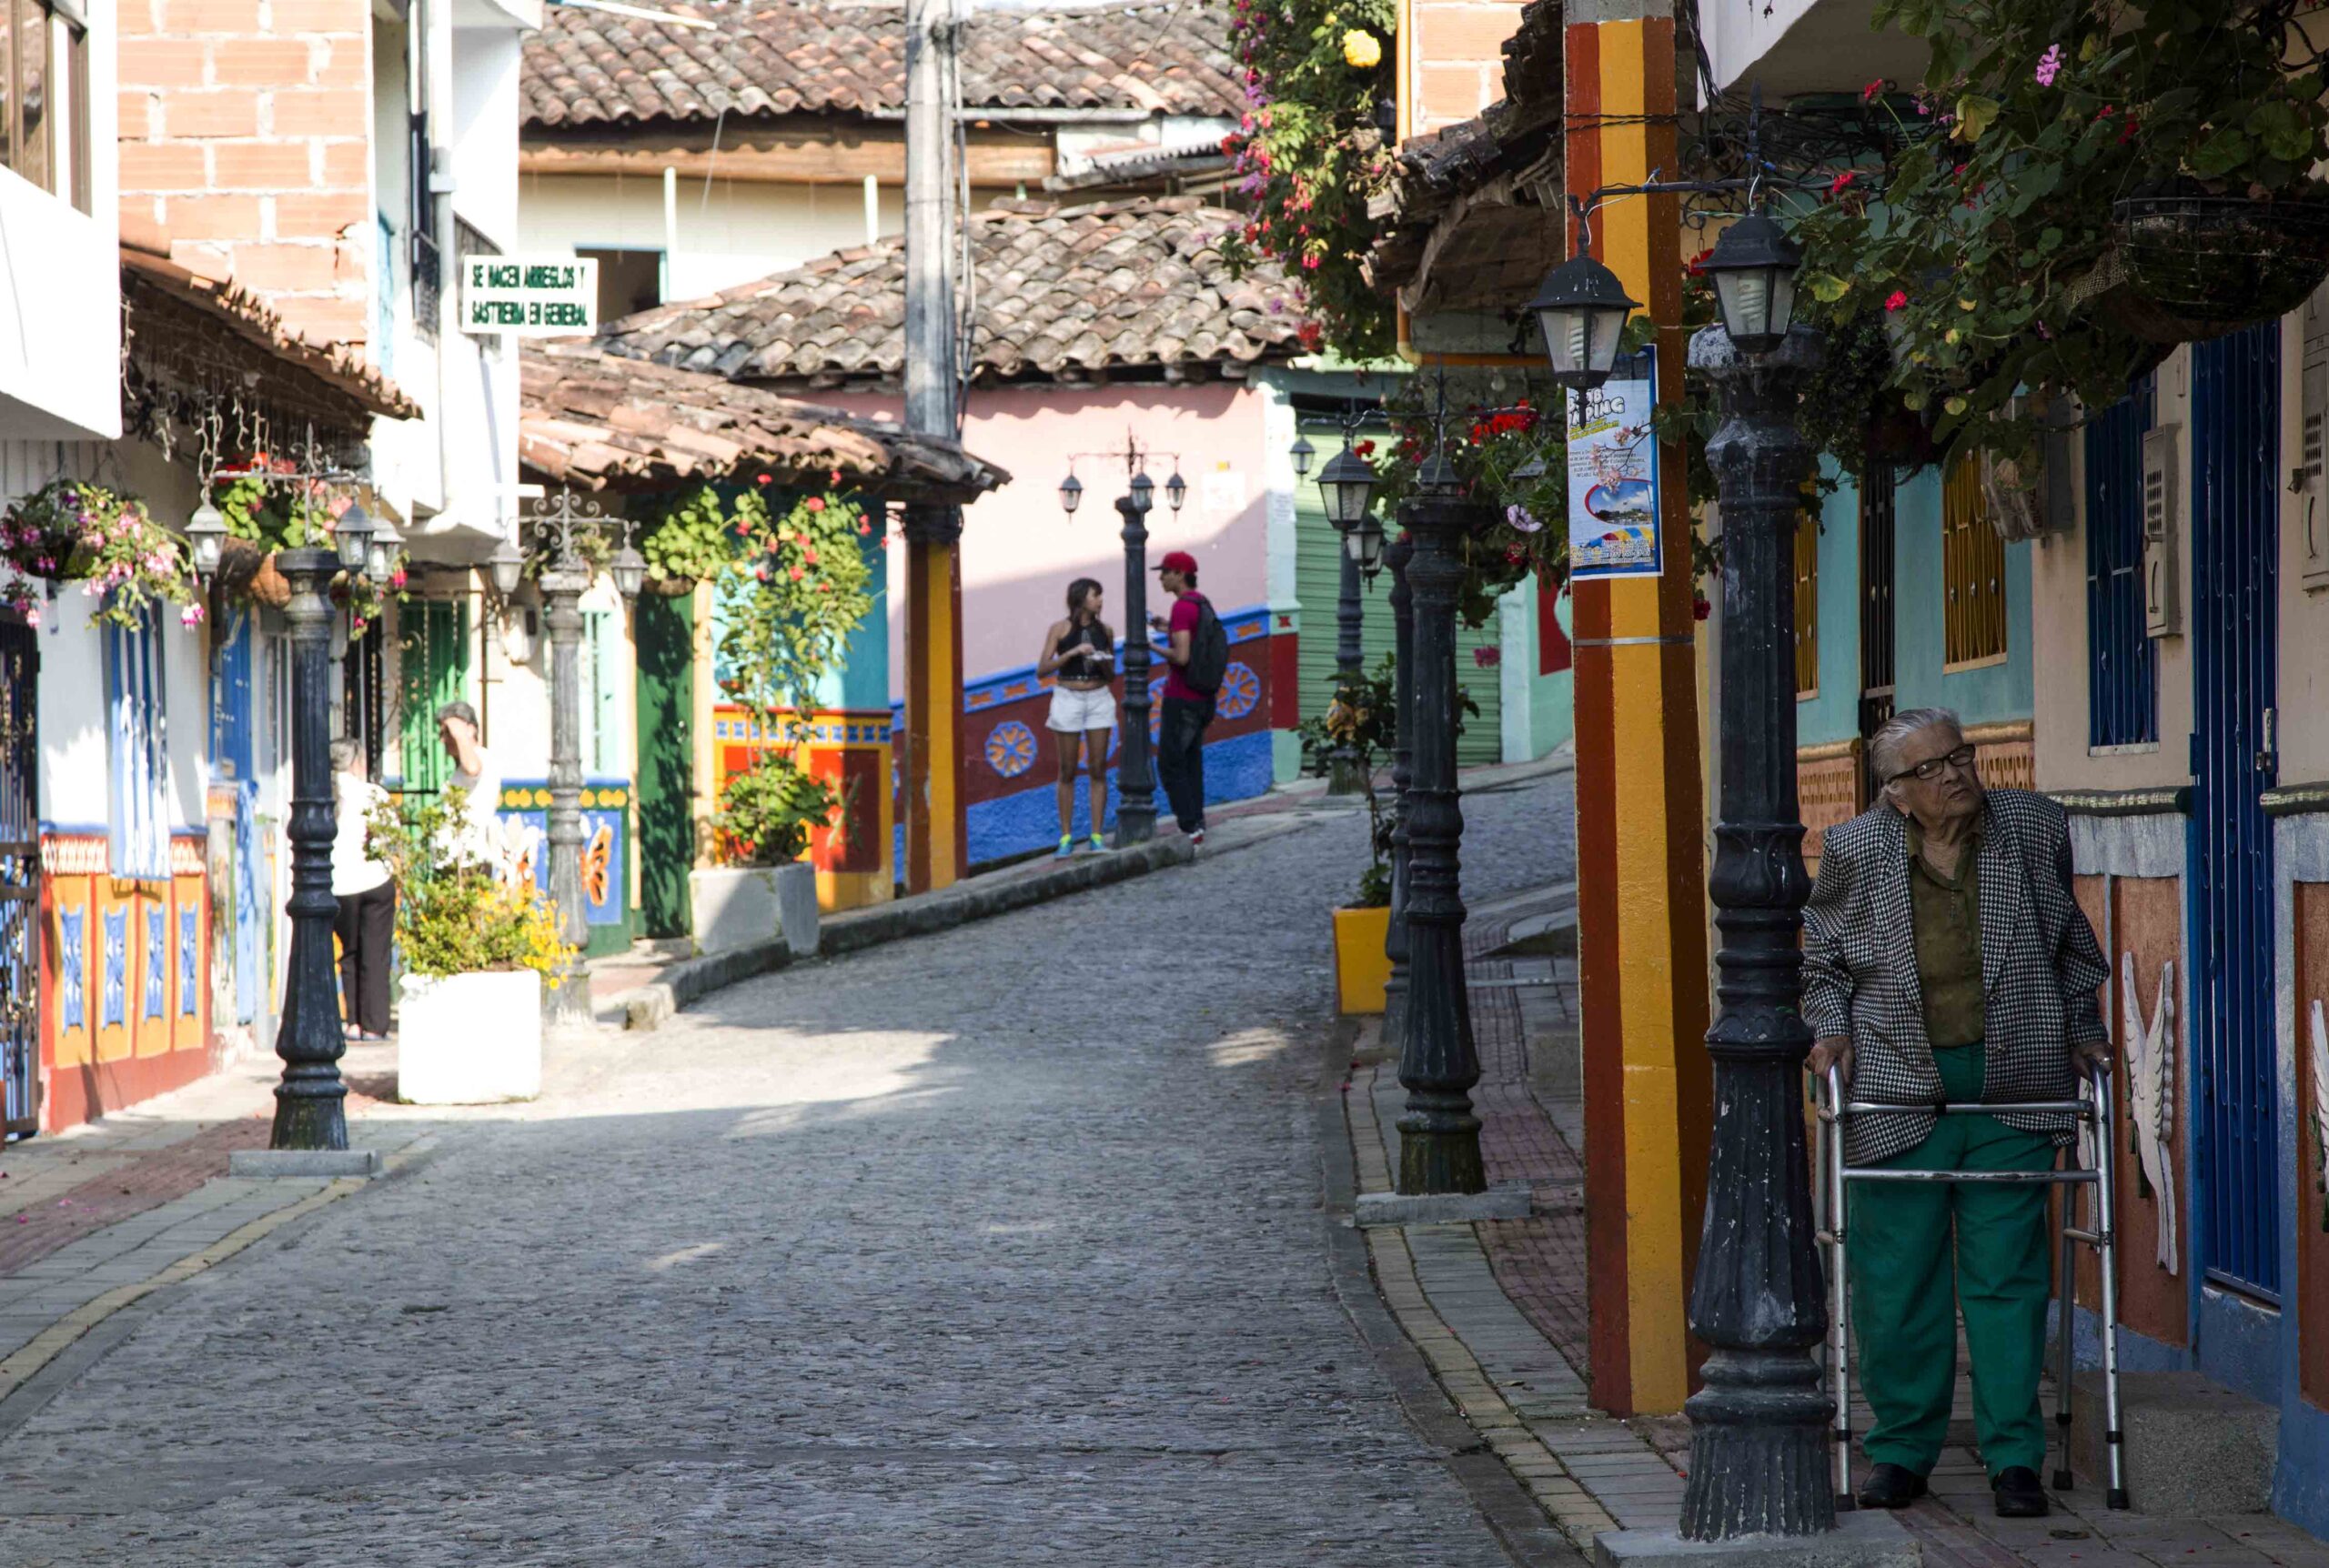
x,y
20,922
2235,403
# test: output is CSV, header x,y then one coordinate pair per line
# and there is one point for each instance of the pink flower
x,y
1836,186
2049,65
1522,519
31,615
815,503
1868,95
1897,300
191,616
1487,658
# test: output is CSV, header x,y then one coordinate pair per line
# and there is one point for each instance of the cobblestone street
x,y
998,1246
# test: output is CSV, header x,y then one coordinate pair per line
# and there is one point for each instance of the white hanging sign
x,y
547,297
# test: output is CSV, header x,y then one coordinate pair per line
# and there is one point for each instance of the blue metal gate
x,y
19,880
2123,704
2235,421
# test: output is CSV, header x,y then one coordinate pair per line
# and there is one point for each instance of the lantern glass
x,y
1365,543
1753,266
1581,309
1302,452
1144,493
507,565
353,536
630,570
1348,487
1177,490
1071,493
206,531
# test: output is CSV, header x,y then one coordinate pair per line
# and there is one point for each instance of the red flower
x,y
1836,186
1700,609
863,528
1698,264
1897,300
815,503
798,573
1868,93
763,479
1364,449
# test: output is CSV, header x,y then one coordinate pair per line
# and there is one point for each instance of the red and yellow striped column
x,y
1641,898
937,833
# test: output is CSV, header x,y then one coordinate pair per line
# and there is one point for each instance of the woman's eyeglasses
x,y
1930,769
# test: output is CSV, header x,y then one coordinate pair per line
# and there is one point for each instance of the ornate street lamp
x,y
557,523
1753,268
1581,309
1348,485
507,566
1302,451
205,533
1136,775
1439,1136
1398,557
352,535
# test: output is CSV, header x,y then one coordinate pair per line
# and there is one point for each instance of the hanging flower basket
x,y
2017,506
249,573
2201,266
668,588
71,531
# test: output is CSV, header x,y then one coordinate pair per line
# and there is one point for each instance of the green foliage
x,y
454,914
1309,153
766,812
1986,242
1364,718
690,541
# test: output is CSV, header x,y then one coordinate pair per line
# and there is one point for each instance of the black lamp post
x,y
1439,1136
1760,1423
1347,488
310,1101
1136,774
566,577
1398,556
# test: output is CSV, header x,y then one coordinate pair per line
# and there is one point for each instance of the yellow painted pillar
x,y
1641,909
937,841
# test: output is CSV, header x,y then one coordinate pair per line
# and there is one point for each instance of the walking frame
x,y
2101,1236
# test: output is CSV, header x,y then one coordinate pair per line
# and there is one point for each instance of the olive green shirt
x,y
1946,912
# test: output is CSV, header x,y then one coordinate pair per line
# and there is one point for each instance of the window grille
x,y
2122,696
1972,569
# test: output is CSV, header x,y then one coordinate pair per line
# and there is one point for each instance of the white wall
x,y
733,233
1792,47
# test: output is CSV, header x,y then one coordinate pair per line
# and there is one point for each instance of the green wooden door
x,y
602,749
666,631
1317,583
433,657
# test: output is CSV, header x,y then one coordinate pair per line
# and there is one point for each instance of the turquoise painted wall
x,y
863,679
1992,694
1552,699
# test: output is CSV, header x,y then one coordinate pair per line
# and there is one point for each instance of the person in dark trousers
x,y
365,922
1180,741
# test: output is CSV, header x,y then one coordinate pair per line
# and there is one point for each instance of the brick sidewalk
x,y
1498,1309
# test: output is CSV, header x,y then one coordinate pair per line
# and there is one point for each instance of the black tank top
x,y
1097,666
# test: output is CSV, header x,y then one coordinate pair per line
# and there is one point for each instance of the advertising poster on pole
x,y
1613,475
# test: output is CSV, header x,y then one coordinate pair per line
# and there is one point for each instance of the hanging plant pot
x,y
247,573
668,588
2017,504
2204,265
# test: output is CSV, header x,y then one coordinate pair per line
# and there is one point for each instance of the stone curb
x,y
1504,1201
286,1163
647,1006
856,929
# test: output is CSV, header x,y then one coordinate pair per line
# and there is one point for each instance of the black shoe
x,y
2018,1494
1890,1486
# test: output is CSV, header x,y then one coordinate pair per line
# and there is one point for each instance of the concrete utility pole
x,y
935,830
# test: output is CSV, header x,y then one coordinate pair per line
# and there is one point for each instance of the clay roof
x,y
599,423
1062,293
148,279
770,58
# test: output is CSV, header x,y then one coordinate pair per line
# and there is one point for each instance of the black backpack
x,y
1208,663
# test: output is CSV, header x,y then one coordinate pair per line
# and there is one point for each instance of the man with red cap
x,y
1195,654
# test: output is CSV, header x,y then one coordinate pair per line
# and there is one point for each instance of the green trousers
x,y
1910,1276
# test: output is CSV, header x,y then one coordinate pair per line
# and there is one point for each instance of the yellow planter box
x,y
1360,967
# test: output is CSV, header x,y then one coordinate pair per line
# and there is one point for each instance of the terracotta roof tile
x,y
600,423
767,57
1062,293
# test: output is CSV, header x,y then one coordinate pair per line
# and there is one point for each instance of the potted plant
x,y
794,581
69,531
476,954
1362,722
760,832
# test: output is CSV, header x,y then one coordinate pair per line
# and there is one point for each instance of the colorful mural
x,y
851,751
1011,765
524,813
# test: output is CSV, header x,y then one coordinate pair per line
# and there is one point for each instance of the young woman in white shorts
x,y
1080,656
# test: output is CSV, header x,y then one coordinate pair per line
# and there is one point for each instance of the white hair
x,y
1884,746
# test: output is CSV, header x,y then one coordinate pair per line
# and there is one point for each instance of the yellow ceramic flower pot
x,y
1360,967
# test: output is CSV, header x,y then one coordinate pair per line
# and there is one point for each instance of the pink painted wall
x,y
1020,551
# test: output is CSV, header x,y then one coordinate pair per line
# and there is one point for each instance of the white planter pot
x,y
739,906
469,1039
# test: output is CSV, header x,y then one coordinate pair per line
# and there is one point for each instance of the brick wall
x,y
1454,59
245,138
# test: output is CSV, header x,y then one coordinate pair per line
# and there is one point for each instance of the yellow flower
x,y
1362,50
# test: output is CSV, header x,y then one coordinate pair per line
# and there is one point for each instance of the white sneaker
x,y
1196,838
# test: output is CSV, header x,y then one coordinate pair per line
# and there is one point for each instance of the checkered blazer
x,y
2039,968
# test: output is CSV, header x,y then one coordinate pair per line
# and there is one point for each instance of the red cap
x,y
1179,561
